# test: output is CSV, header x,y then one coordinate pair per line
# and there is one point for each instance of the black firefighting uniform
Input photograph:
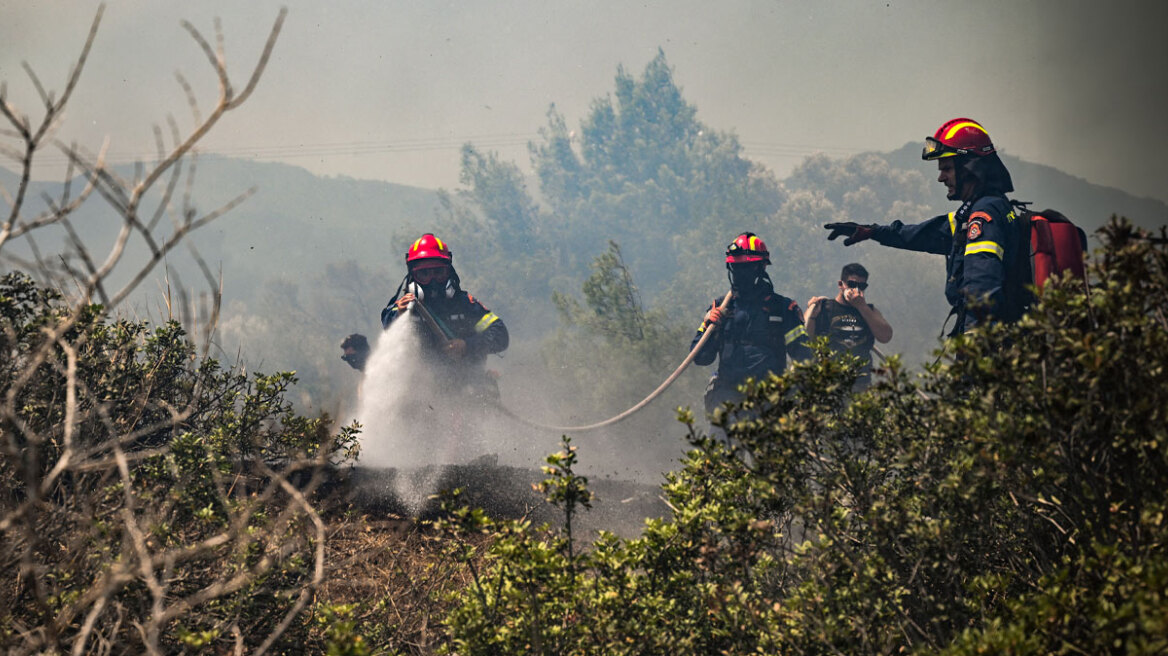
x,y
464,318
980,241
753,339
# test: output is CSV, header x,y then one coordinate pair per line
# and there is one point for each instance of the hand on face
x,y
854,297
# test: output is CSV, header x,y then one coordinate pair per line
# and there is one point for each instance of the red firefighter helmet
x,y
747,247
429,247
960,136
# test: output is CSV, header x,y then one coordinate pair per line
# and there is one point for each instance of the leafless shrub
x,y
149,500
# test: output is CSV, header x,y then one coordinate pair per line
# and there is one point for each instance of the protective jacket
x,y
464,318
979,241
753,339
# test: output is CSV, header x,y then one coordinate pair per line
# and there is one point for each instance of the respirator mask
x,y
747,278
432,282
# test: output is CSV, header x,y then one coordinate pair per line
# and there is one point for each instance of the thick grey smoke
x,y
412,424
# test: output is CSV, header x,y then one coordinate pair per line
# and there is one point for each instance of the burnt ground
x,y
386,562
503,492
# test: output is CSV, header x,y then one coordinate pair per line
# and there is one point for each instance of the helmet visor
x,y
934,149
428,275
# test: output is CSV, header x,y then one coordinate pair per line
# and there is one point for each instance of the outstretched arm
x,y
932,236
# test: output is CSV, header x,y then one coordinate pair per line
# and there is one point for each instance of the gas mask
x,y
747,278
433,283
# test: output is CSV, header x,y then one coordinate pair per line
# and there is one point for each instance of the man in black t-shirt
x,y
850,323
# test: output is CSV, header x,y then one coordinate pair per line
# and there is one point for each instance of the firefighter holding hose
x,y
756,332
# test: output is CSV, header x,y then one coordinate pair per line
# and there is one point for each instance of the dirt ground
x,y
619,506
392,566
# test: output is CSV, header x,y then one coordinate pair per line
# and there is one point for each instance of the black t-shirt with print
x,y
846,331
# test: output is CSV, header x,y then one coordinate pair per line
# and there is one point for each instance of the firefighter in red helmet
x,y
758,330
470,332
980,240
466,331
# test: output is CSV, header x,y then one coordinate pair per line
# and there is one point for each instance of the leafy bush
x,y
147,496
1009,500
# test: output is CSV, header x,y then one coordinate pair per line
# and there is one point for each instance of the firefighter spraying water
x,y
426,387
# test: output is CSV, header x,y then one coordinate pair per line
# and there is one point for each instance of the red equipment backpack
x,y
1057,246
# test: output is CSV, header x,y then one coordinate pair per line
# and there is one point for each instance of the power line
x,y
425,144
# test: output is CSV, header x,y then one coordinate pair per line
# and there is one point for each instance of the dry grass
x,y
395,573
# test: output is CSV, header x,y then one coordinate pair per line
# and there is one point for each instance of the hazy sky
x,y
389,90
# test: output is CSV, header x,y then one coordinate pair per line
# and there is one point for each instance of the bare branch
x,y
14,155
208,328
224,105
65,207
259,69
75,74
192,102
36,82
317,569
167,194
216,63
104,422
169,245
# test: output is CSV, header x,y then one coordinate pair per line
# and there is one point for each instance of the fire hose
x,y
442,334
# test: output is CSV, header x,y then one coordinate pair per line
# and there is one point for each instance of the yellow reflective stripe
x,y
985,247
484,323
415,246
441,247
953,223
964,124
752,243
795,333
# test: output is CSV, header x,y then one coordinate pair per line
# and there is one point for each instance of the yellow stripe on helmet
x,y
441,246
964,124
415,246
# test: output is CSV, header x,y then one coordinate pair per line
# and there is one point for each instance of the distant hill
x,y
298,222
294,224
1087,204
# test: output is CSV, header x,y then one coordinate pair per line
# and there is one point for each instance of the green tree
x,y
615,349
647,172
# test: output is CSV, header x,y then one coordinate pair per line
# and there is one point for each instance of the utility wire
x,y
426,144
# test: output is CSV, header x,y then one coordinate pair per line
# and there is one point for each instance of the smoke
x,y
419,423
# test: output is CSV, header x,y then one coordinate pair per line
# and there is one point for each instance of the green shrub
x,y
1010,499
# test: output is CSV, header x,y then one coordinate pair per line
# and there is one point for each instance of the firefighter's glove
x,y
402,303
456,349
855,232
714,315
